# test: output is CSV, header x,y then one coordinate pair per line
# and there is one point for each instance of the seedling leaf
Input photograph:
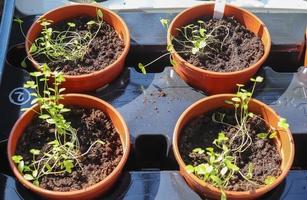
x,y
262,135
283,123
142,68
269,180
28,177
33,48
164,22
17,158
35,151
189,169
68,164
99,14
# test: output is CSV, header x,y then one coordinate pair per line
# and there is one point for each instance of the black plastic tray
x,y
152,104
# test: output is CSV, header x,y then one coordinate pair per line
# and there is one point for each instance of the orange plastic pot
x,y
97,79
217,82
90,192
284,141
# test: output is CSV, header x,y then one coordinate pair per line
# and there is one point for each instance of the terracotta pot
x,y
217,82
284,141
85,101
97,79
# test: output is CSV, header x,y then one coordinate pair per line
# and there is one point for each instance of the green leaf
x,y
251,114
172,61
202,44
142,68
231,166
273,135
45,22
34,100
70,144
228,102
28,177
36,183
221,138
91,23
262,135
35,151
210,150
203,169
195,50
30,84
68,164
34,173
189,169
164,23
36,74
202,32
216,179
259,79
198,150
269,180
18,20
70,24
48,167
101,142
99,14
50,121
33,48
61,90
24,109
17,158
170,48
282,123
224,171
200,21
236,99
63,110
23,63
54,142
21,166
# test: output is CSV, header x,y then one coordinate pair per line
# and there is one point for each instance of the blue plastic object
x,y
5,29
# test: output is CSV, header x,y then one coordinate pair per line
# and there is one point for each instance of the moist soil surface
x,y
263,153
240,49
104,49
91,125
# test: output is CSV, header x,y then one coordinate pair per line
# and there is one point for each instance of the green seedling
x,y
196,39
64,153
62,46
219,165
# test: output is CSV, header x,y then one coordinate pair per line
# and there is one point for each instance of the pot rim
x,y
115,171
104,10
241,194
212,73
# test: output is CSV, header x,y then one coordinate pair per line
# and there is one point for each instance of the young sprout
x,y
196,40
219,164
64,153
62,46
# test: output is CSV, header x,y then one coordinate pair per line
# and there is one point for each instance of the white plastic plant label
x,y
219,7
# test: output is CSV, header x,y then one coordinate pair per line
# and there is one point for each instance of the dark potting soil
x,y
241,48
104,49
263,153
91,125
